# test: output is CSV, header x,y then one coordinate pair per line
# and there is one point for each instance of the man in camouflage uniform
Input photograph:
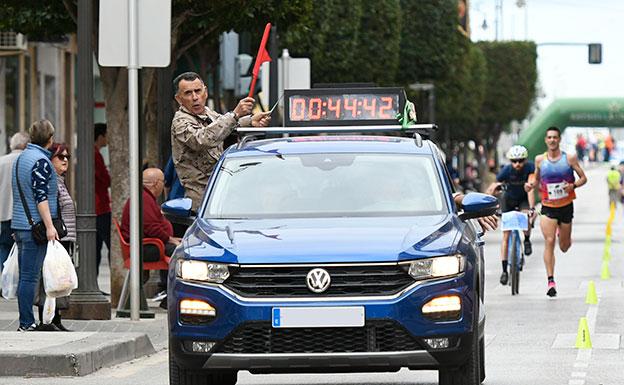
x,y
197,132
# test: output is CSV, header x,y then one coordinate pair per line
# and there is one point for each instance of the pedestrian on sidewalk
x,y
102,196
60,160
155,225
554,172
17,144
198,133
39,185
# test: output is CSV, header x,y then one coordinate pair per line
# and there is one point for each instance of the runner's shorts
x,y
561,214
510,204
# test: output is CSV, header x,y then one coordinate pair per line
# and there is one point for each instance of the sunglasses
x,y
517,160
63,157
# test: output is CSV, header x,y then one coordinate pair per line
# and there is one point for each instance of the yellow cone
x,y
608,232
604,272
591,298
606,254
583,341
608,241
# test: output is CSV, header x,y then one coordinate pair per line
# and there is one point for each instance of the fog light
x,y
443,308
197,307
202,346
437,343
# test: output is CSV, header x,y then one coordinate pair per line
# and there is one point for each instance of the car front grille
x,y
350,280
375,336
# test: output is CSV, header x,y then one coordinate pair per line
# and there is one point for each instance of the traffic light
x,y
595,53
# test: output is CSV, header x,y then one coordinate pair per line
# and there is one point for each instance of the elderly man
x,y
197,132
18,144
154,223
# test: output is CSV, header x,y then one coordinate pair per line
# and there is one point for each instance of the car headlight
x,y
437,267
202,271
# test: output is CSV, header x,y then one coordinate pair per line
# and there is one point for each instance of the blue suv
x,y
328,254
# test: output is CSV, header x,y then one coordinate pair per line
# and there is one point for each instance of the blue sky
x,y
563,70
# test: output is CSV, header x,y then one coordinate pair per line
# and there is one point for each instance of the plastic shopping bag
x,y
49,307
10,274
59,274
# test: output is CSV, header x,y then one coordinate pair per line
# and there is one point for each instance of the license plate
x,y
319,317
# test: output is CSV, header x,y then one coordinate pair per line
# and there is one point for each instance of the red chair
x,y
161,264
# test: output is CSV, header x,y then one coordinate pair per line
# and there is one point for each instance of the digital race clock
x,y
343,106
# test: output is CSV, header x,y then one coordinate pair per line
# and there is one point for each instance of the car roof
x,y
332,144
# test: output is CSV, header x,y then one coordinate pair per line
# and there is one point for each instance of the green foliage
x,y
40,20
203,21
462,92
377,52
428,28
511,82
331,41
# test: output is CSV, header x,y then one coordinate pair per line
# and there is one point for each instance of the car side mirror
x,y
179,211
477,205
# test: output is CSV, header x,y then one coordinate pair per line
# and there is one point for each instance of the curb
x,y
78,357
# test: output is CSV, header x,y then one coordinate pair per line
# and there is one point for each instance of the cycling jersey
x,y
515,180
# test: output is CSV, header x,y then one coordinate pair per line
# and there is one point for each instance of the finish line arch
x,y
572,112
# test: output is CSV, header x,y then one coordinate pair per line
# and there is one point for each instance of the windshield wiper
x,y
241,167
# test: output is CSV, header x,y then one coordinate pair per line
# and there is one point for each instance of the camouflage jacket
x,y
197,145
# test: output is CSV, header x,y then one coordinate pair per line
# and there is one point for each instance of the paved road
x,y
529,338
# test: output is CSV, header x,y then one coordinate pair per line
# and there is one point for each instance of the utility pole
x,y
498,19
86,302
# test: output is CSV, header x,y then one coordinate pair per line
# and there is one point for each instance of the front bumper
x,y
234,313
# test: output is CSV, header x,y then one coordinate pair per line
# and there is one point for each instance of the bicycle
x,y
515,221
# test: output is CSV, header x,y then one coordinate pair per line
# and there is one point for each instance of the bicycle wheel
x,y
514,259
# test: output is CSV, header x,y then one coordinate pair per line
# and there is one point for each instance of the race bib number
x,y
556,191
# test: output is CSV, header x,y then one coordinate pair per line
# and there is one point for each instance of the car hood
x,y
322,240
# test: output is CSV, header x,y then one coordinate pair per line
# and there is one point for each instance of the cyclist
x,y
554,171
518,177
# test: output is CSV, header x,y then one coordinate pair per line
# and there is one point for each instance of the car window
x,y
326,185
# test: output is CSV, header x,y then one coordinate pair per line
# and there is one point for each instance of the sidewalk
x,y
90,346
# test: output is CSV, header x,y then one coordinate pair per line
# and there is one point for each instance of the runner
x,y
555,175
517,196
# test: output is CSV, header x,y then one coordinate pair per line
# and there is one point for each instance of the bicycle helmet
x,y
517,152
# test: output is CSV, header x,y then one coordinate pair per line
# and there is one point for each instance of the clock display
x,y
342,106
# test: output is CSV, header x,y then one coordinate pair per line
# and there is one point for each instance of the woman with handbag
x,y
60,161
36,216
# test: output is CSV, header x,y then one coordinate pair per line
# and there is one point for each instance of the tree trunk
x,y
115,83
150,130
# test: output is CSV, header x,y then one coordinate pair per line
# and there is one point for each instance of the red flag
x,y
263,56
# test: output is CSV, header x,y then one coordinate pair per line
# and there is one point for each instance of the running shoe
x,y
504,278
552,289
528,249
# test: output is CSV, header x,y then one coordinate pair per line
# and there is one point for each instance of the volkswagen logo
x,y
318,280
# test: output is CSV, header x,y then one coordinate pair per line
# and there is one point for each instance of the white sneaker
x,y
159,297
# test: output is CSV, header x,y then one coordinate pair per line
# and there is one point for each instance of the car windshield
x,y
326,185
